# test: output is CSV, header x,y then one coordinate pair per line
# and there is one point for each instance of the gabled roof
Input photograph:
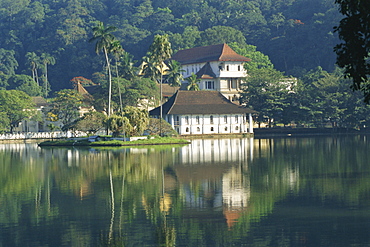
x,y
220,52
81,89
199,102
206,72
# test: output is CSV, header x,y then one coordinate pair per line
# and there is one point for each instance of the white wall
x,y
188,124
233,71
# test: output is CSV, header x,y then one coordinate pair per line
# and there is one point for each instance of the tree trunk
x,y
109,80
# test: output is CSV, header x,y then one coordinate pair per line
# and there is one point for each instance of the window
x,y
238,67
186,120
211,119
197,119
198,129
210,85
187,129
212,129
227,67
236,119
225,128
225,119
236,127
234,83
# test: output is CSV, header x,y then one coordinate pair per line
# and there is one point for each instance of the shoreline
x,y
258,133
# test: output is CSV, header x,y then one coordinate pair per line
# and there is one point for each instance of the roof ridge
x,y
222,51
174,101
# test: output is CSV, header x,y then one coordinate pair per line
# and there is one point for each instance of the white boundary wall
x,y
40,135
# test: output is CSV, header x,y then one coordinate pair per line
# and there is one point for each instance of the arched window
x,y
212,129
187,129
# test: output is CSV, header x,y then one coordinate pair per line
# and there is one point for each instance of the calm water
x,y
219,192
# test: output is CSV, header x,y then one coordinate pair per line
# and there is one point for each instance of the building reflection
x,y
217,150
213,177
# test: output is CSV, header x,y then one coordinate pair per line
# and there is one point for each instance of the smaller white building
x,y
204,113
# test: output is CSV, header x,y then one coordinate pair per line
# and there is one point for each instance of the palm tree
x,y
193,82
174,76
34,61
127,69
159,51
117,50
103,37
46,59
150,68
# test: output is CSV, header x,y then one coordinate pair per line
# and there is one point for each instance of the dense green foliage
x,y
45,44
353,53
48,39
15,106
317,99
66,106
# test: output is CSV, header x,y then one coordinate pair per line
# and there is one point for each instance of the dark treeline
x,y
48,40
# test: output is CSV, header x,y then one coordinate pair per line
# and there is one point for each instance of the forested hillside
x,y
50,37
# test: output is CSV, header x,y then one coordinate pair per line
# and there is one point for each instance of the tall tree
x,y
126,66
150,69
117,50
34,61
103,38
265,92
159,51
174,73
46,60
353,53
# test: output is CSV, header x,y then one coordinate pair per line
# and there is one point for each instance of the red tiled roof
x,y
220,52
199,102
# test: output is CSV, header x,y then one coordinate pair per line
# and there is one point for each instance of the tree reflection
x,y
166,196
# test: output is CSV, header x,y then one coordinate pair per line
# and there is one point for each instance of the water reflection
x,y
251,192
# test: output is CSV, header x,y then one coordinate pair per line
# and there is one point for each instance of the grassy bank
x,y
115,143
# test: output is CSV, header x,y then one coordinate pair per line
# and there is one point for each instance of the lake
x,y
213,192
